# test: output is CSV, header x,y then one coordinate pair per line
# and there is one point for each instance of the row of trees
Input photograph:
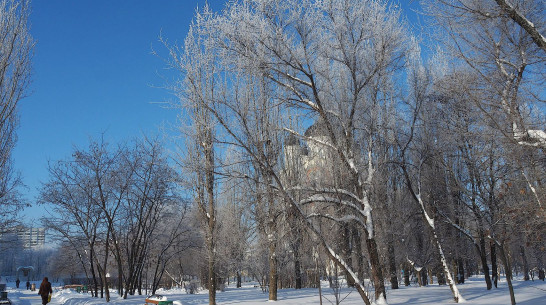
x,y
454,142
119,204
322,125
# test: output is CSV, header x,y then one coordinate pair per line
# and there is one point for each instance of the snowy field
x,y
528,293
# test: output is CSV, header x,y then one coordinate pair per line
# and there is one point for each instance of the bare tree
x,y
16,47
530,27
196,92
113,201
525,13
172,236
151,193
506,57
322,58
77,190
417,150
235,226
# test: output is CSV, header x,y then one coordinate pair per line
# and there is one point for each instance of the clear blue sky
x,y
93,72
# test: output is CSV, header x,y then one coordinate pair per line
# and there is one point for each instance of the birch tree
x,y
417,149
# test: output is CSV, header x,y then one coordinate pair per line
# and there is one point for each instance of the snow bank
x,y
474,291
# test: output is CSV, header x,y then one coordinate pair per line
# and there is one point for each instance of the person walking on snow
x,y
45,290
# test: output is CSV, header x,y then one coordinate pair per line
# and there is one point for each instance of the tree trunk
x,y
430,221
371,245
272,268
101,282
525,263
211,212
297,270
392,264
104,278
357,240
494,269
272,239
105,289
407,274
347,251
376,269
440,275
460,271
483,258
481,247
121,287
454,290
423,280
508,269
211,282
139,285
239,281
272,272
93,274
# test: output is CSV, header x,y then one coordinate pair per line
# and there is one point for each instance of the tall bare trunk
x,y
102,270
346,250
483,259
481,249
360,261
436,242
371,247
407,269
297,268
494,271
508,268
525,263
272,239
392,263
211,242
377,273
272,272
460,270
94,293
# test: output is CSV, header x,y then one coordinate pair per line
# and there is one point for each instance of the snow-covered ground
x,y
527,293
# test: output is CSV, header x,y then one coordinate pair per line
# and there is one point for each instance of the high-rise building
x,y
31,237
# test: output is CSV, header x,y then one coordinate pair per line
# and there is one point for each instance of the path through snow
x,y
527,293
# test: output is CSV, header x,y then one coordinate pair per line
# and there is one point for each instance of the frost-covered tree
x,y
235,227
324,60
504,55
417,150
196,92
498,66
16,50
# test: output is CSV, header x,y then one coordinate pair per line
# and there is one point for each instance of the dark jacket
x,y
45,288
